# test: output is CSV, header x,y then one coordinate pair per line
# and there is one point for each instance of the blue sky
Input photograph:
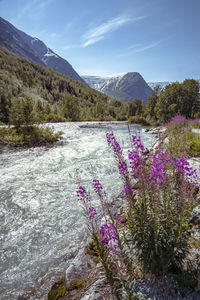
x,y
160,39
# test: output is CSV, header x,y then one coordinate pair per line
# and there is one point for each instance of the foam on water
x,y
41,222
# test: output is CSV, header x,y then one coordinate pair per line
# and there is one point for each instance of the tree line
x,y
35,94
53,97
176,98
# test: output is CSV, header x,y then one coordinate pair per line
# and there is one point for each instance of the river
x,y
41,222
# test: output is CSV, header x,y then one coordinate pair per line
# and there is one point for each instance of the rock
x,y
195,216
98,125
96,288
79,268
196,131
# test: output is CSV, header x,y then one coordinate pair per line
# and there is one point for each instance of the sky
x,y
160,39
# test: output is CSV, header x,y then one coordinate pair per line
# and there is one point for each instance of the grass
x,y
180,137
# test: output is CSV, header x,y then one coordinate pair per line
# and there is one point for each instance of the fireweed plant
x,y
107,241
159,192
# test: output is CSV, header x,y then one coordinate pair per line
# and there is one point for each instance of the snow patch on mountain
x,y
100,83
50,53
115,75
162,84
34,40
15,38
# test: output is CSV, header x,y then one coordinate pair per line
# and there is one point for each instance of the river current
x,y
42,224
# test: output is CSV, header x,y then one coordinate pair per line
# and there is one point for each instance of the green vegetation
x,y
76,284
138,120
181,138
57,98
24,133
176,98
58,290
92,250
154,234
53,96
29,136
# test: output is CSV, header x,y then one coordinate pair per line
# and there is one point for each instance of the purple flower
x,y
113,142
135,162
92,212
123,169
97,185
128,191
194,121
82,194
178,119
109,234
182,166
158,167
110,137
137,143
120,222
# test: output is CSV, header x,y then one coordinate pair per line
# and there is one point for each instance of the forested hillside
x,y
52,96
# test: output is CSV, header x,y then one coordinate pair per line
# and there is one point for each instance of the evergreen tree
x,y
178,98
4,109
39,112
70,109
151,103
21,112
136,107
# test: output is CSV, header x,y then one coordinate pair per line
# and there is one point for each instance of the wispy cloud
x,y
68,47
99,33
33,9
138,48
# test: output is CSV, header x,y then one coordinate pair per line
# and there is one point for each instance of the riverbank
x,y
161,287
42,226
27,136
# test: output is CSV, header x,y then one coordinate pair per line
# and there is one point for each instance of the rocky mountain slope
x,y
34,49
125,87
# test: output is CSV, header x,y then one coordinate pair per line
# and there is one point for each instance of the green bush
x,y
53,118
138,120
180,137
57,291
193,143
28,136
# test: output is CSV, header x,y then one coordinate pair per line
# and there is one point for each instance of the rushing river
x,y
41,222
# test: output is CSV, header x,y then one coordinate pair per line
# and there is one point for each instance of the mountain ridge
x,y
124,86
34,49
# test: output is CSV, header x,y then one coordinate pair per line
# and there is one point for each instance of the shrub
x,y
159,212
138,120
57,291
53,118
28,136
159,189
181,138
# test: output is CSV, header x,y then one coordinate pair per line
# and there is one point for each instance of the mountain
x,y
125,87
34,49
54,95
10,38
162,84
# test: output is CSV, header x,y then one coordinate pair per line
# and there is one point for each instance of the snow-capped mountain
x,y
100,82
162,84
34,49
10,39
123,86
